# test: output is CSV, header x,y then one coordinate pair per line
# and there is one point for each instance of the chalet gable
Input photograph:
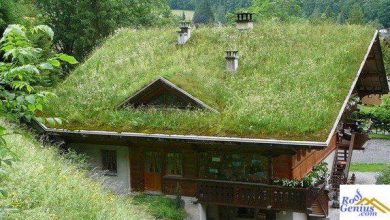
x,y
165,94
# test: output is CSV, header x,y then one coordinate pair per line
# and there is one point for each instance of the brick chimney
x,y
244,21
184,33
232,60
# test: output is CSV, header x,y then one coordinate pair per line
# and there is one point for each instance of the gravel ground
x,y
365,178
377,151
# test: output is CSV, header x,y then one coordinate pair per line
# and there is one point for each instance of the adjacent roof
x,y
292,82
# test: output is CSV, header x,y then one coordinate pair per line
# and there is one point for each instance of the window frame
x,y
181,162
106,156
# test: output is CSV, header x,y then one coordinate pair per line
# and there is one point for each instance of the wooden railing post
x,y
349,158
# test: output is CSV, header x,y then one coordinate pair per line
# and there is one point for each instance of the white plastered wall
x,y
119,183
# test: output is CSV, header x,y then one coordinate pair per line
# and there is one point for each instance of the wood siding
x,y
283,166
137,169
303,162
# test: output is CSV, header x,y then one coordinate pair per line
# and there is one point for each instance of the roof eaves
x,y
189,138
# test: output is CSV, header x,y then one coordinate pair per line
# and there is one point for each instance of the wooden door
x,y
152,174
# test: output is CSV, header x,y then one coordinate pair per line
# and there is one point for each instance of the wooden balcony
x,y
250,195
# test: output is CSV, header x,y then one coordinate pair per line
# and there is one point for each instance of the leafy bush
x,y
161,207
27,69
379,116
384,176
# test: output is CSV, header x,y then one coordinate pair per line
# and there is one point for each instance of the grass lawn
x,y
368,167
189,14
44,185
291,83
380,136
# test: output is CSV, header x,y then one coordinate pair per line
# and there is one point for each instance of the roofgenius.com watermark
x,y
365,202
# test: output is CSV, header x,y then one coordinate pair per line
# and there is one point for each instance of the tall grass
x,y
291,83
44,185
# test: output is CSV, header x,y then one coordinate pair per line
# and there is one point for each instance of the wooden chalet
x,y
230,177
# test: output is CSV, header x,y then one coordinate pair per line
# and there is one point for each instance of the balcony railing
x,y
250,195
360,140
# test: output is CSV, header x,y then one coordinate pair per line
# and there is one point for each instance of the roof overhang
x,y
128,137
370,79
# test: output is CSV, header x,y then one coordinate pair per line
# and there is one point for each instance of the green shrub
x,y
160,207
384,177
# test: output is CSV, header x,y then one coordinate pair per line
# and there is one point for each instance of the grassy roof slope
x,y
291,83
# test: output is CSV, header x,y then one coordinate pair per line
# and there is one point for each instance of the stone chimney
x,y
232,60
184,33
244,21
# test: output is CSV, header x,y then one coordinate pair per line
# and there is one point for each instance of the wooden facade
x,y
227,190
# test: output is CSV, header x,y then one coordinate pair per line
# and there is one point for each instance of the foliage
x,y
6,159
218,9
44,185
27,69
379,136
6,15
384,176
386,55
182,4
341,11
273,94
18,11
285,10
160,207
367,167
379,116
81,25
356,15
317,175
203,13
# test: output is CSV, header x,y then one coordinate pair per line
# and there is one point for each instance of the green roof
x,y
292,81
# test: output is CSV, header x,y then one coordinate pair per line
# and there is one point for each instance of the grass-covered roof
x,y
291,83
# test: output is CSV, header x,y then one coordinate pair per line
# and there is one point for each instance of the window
x,y
169,100
257,168
109,162
174,164
152,162
246,167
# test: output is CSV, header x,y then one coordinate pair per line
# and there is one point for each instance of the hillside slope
x,y
44,185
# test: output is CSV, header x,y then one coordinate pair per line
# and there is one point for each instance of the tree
x,y
18,11
356,15
277,8
182,4
5,14
384,13
203,13
82,24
